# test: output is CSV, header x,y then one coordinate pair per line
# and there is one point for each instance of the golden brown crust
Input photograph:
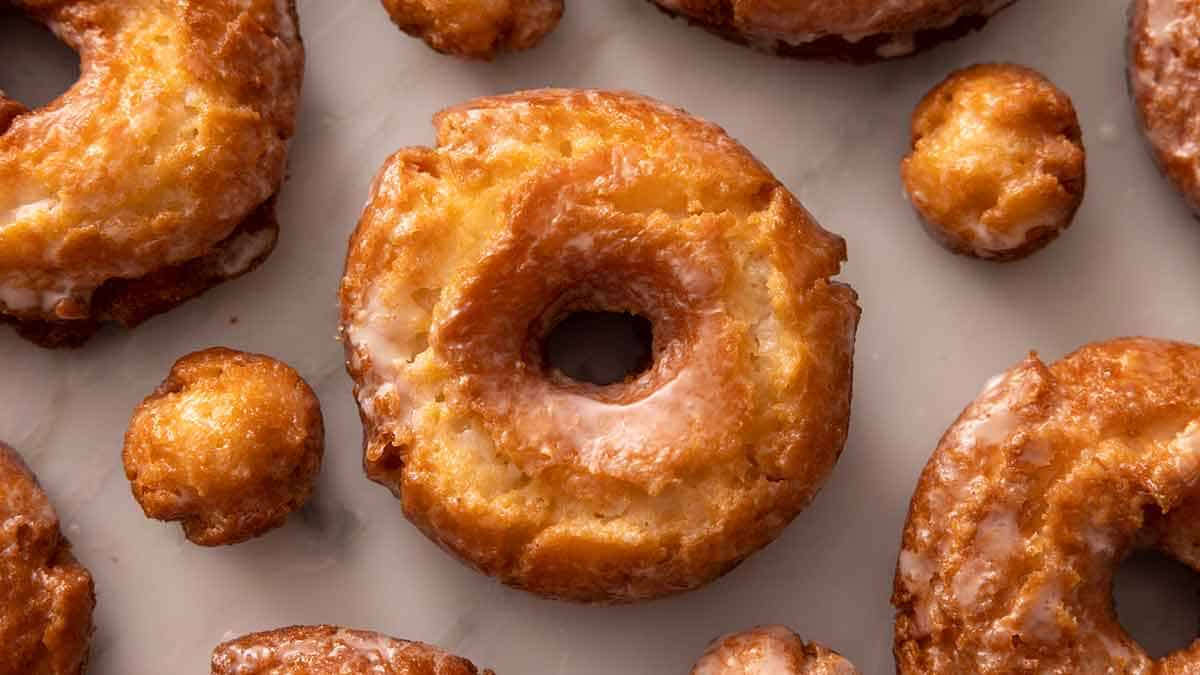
x,y
849,30
230,444
1164,49
770,650
46,596
329,650
540,204
176,156
1030,502
476,29
997,168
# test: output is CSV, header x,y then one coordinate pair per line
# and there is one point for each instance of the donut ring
x,y
1164,46
480,29
770,650
230,444
544,203
46,596
847,30
329,650
153,177
1031,501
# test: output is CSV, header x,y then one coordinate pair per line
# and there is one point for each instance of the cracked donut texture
x,y
1164,78
997,167
478,29
46,596
230,444
543,203
175,134
1032,500
770,650
331,650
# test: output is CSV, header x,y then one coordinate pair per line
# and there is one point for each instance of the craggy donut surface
x,y
770,650
541,204
477,29
46,596
1031,501
329,650
855,30
997,168
1164,50
152,178
229,444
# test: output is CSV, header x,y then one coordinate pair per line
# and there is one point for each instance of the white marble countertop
x,y
935,328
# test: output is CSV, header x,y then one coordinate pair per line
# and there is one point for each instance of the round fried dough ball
x,y
997,163
229,444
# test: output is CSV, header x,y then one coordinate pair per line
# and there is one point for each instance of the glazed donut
x,y
997,168
153,177
230,444
329,650
1031,501
770,650
476,29
847,30
46,596
543,204
1164,45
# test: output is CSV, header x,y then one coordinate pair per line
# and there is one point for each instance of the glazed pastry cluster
x,y
531,210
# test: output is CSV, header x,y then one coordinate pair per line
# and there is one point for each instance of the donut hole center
x,y
1158,602
600,348
35,66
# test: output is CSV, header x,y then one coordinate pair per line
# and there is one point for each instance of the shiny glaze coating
x,y
544,203
330,650
770,650
46,596
997,168
1164,78
476,29
152,178
1032,500
230,444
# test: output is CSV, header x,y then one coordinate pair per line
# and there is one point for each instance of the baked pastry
x,y
476,29
328,650
847,30
770,650
152,178
1031,501
230,444
997,168
540,205
46,596
1164,46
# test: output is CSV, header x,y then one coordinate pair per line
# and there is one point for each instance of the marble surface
x,y
935,328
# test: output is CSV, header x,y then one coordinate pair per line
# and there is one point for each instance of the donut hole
x,y
600,348
1158,602
35,66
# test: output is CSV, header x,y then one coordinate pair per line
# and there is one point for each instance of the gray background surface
x,y
935,328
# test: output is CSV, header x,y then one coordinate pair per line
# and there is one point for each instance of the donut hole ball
x,y
229,444
770,649
478,29
997,163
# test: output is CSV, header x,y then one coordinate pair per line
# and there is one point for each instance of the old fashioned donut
x,y
46,596
476,29
1164,47
229,444
329,650
1034,497
997,168
542,204
846,30
153,177
770,650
